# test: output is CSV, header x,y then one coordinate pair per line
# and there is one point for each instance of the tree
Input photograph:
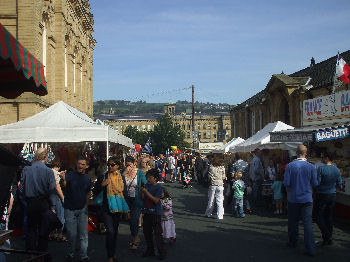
x,y
166,134
138,137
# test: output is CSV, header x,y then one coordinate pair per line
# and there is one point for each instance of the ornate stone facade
x,y
59,34
210,128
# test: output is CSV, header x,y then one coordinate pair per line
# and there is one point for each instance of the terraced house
x,y
60,34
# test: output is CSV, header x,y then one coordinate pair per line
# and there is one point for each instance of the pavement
x,y
260,236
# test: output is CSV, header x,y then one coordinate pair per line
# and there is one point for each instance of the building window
x,y
214,126
116,127
143,127
149,127
209,126
214,135
44,47
183,126
188,127
260,119
122,127
65,66
204,135
188,135
227,126
209,134
199,126
138,127
199,135
204,126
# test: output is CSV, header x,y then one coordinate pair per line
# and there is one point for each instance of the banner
x,y
325,107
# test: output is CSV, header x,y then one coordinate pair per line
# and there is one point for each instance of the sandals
x,y
133,246
61,239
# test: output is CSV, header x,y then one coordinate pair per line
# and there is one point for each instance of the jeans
x,y
60,212
77,225
38,224
25,216
324,205
256,192
215,193
135,212
152,226
237,201
112,225
303,211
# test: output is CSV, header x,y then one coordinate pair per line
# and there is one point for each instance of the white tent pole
x,y
107,151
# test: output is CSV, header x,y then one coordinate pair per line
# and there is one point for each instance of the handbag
x,y
98,199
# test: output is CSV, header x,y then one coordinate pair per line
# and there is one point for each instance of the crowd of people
x,y
133,187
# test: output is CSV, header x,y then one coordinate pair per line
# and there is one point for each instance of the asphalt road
x,y
258,237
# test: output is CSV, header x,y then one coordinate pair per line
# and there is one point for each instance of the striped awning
x,y
20,71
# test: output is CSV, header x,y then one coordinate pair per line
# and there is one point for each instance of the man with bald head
x,y
38,187
299,178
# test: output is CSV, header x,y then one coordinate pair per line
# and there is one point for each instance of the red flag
x,y
342,70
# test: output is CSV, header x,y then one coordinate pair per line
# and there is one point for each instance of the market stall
x,y
227,147
326,128
261,140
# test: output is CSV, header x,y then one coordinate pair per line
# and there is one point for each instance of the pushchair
x,y
186,182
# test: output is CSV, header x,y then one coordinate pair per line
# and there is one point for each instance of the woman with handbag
x,y
134,178
109,191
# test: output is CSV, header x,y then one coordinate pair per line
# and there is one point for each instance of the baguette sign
x,y
324,135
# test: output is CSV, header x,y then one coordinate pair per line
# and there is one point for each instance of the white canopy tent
x,y
227,147
261,139
58,124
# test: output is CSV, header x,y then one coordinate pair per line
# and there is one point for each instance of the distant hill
x,y
121,107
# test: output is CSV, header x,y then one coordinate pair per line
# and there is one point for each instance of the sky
x,y
228,49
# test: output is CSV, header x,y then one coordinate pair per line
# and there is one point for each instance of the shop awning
x,y
316,133
20,71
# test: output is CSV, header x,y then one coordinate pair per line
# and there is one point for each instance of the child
x,y
238,192
277,193
151,194
168,225
186,180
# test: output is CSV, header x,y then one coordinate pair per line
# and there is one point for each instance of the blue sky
x,y
228,49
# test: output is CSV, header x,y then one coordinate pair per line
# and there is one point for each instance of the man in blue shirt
x,y
329,178
299,178
38,187
77,195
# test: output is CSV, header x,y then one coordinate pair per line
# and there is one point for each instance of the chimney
x,y
312,63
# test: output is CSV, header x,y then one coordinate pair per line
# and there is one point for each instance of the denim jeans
x,y
256,192
303,211
77,226
324,205
135,212
60,212
237,201
112,226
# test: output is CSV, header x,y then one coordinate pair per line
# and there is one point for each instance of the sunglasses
x,y
111,165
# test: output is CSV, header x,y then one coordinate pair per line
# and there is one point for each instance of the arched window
x,y
44,40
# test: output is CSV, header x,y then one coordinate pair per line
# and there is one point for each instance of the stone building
x,y
209,127
283,96
59,34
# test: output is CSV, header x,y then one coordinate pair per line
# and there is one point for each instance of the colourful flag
x,y
342,70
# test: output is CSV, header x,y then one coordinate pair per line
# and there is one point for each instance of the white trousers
x,y
215,193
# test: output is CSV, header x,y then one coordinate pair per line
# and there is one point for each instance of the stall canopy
x,y
226,148
60,123
20,71
261,139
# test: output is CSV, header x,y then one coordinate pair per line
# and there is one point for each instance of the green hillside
x,y
121,107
